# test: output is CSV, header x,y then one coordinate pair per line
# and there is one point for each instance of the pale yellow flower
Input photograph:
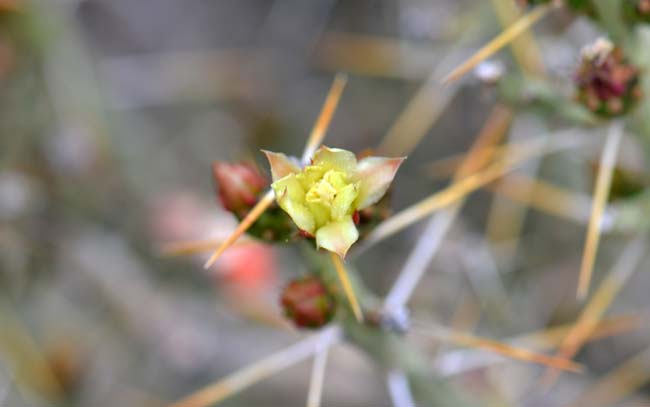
x,y
322,197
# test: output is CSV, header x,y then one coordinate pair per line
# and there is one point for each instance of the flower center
x,y
325,190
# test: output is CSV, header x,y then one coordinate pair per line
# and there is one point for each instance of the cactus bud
x,y
240,186
307,302
606,83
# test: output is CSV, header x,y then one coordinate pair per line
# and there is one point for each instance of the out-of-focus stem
x,y
347,286
259,370
398,388
499,42
591,315
601,193
318,374
524,48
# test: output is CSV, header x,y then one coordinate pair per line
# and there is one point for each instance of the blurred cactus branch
x,y
542,97
631,215
388,349
611,18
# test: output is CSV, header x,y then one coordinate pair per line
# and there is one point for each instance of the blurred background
x,y
111,114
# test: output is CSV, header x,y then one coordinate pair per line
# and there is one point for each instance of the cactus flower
x,y
323,197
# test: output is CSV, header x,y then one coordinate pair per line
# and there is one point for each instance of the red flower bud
x,y
307,302
606,83
239,186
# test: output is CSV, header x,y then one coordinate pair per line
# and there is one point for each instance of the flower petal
x,y
343,201
375,175
336,158
281,165
338,236
290,196
320,212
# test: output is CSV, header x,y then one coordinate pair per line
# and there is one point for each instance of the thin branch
x,y
427,104
315,394
618,384
525,49
601,194
243,226
421,112
191,247
499,42
325,117
376,56
462,188
460,361
441,199
501,348
260,370
544,196
447,166
398,387
347,286
609,288
429,242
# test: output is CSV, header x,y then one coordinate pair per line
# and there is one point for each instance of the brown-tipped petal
x,y
375,175
280,164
